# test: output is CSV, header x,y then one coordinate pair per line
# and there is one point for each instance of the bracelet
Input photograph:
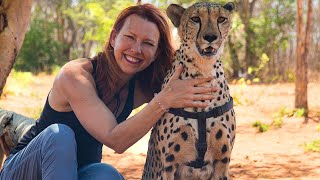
x,y
160,105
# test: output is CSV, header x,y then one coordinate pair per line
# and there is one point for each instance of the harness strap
x,y
215,112
202,128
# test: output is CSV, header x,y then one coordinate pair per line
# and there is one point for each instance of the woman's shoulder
x,y
78,64
73,80
77,67
78,70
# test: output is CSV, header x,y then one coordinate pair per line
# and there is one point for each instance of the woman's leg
x,y
50,155
99,171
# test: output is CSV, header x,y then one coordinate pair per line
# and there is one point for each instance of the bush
x,y
40,51
313,146
277,122
261,126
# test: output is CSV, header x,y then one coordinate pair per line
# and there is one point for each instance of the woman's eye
x,y
195,19
221,19
128,36
150,44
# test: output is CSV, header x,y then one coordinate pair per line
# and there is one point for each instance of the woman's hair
x,y
108,72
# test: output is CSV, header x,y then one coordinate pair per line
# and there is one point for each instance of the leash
x,y
202,126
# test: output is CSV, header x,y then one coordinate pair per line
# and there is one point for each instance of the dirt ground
x,y
275,154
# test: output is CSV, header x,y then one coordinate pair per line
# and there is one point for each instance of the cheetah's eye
x,y
195,19
221,19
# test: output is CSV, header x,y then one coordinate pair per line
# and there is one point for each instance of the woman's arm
x,y
98,120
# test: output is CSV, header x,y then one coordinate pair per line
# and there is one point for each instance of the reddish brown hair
x,y
108,71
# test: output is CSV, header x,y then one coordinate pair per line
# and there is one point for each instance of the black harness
x,y
202,129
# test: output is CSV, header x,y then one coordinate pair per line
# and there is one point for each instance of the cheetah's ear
x,y
229,6
175,12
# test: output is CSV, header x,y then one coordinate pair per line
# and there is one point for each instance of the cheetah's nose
x,y
210,38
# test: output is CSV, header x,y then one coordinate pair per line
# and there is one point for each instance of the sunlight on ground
x,y
279,150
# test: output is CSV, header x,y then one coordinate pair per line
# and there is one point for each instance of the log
x,y
13,126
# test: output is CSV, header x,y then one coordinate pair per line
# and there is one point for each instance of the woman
x,y
91,99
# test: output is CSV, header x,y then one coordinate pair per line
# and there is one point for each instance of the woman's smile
x,y
132,60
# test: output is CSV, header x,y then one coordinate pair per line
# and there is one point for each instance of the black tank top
x,y
89,150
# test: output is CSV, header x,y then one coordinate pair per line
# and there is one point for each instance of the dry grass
x,y
275,154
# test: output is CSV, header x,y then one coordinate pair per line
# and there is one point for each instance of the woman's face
x,y
135,45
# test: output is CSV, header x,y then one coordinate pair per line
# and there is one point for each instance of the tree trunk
x,y
66,33
250,57
246,8
301,87
86,48
235,63
14,20
299,62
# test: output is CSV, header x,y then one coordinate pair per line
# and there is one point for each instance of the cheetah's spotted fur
x,y
203,29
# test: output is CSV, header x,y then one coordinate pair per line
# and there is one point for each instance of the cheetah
x,y
196,143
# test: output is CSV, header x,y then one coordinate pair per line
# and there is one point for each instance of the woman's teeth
x,y
132,59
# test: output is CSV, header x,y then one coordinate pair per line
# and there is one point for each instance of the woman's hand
x,y
185,93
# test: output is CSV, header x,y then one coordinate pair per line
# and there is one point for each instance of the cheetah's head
x,y
203,27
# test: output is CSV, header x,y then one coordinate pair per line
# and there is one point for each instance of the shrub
x,y
40,51
313,146
261,126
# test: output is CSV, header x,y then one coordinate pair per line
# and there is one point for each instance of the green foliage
x,y
163,4
269,30
271,25
188,2
97,17
264,59
277,122
291,77
286,112
261,126
236,99
256,80
300,112
90,21
55,70
314,146
24,78
40,51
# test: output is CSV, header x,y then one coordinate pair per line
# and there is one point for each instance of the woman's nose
x,y
136,48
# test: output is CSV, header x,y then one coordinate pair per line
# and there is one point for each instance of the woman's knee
x,y
99,171
60,135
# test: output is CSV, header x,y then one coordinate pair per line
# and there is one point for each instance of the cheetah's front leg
x,y
181,151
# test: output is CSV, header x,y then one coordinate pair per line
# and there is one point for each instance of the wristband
x,y
159,103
